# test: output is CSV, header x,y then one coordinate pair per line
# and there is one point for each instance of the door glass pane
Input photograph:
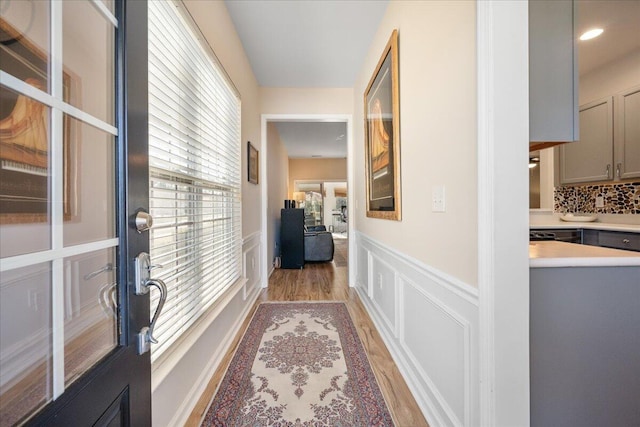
x,y
25,342
24,41
89,57
25,224
90,187
90,310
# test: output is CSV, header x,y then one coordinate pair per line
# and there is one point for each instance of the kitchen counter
x,y
561,254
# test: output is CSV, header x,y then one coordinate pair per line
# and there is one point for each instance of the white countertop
x,y
562,254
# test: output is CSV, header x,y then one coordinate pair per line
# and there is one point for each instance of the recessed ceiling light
x,y
591,34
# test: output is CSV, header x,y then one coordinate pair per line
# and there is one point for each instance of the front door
x,y
73,175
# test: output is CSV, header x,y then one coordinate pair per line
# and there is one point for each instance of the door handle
x,y
147,332
143,283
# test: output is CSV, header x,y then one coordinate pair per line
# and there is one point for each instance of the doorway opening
x,y
313,151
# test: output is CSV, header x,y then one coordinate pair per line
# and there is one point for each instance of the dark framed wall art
x,y
382,136
252,163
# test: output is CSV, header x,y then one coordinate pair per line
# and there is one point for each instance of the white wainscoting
x,y
429,321
179,381
251,260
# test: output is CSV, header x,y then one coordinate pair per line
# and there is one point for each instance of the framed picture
x,y
252,163
382,136
25,135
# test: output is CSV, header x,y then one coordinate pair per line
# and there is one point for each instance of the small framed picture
x,y
252,163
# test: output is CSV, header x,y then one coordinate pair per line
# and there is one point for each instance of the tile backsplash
x,y
618,198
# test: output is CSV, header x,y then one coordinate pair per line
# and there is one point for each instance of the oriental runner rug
x,y
299,364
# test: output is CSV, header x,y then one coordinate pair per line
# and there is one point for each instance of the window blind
x,y
195,175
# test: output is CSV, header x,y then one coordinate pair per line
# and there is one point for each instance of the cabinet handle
x,y
619,170
609,171
625,240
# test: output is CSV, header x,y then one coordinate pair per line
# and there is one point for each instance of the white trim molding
x,y
429,322
503,264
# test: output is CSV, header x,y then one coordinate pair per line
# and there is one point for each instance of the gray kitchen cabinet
x,y
609,147
612,239
592,158
553,90
584,344
627,133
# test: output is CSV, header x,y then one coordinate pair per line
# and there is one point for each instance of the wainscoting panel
x,y
251,263
362,269
429,321
383,291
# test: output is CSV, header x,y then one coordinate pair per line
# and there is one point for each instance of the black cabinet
x,y
292,238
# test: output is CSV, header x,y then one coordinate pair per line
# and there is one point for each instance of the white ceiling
x,y
312,43
314,139
620,20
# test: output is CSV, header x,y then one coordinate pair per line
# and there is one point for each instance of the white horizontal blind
x,y
195,178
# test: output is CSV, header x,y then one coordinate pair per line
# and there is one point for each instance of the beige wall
x,y
316,170
277,177
437,43
306,100
611,78
217,26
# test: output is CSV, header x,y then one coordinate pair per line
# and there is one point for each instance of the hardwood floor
x,y
322,282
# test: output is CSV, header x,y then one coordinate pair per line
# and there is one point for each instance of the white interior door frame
x,y
503,214
330,118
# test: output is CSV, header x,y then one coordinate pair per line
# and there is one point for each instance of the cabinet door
x,y
590,159
552,72
627,136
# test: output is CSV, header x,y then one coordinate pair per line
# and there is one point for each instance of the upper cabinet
x,y
609,147
592,158
553,79
627,133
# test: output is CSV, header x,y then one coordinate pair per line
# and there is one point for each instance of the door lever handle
x,y
163,297
143,282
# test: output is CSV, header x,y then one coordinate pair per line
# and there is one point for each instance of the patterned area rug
x,y
299,364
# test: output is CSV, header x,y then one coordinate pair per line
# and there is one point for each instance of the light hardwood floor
x,y
328,282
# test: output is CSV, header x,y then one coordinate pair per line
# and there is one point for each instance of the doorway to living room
x,y
305,158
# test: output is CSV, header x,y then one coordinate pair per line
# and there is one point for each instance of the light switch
x,y
599,202
437,198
